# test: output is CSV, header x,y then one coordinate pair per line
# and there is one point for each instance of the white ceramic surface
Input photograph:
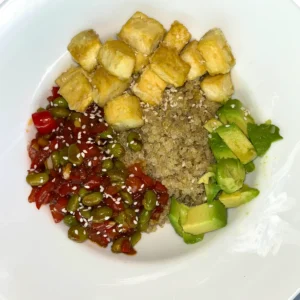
x,y
257,256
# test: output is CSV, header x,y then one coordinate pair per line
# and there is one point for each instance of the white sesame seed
x,y
104,170
46,148
89,163
106,218
65,157
76,231
56,146
86,186
98,232
74,188
95,157
157,203
134,222
137,210
82,154
131,175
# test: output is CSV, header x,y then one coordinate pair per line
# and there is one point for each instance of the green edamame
x,y
116,175
134,141
107,165
135,238
126,197
100,214
60,102
73,203
70,220
77,234
117,245
75,155
59,112
37,179
92,199
116,149
149,200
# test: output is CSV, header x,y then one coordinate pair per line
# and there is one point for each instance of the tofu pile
x,y
158,58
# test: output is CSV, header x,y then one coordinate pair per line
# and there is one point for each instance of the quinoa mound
x,y
175,143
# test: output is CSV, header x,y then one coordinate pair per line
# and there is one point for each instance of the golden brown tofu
x,y
216,52
177,37
193,57
78,92
141,61
124,112
84,48
107,86
117,58
142,33
217,88
65,76
169,66
150,87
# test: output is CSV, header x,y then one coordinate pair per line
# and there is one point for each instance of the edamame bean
x,y
73,203
119,165
60,102
135,238
76,118
117,245
63,156
149,200
126,197
92,199
37,179
70,220
100,214
59,112
75,155
143,226
85,213
107,134
77,234
134,141
55,159
83,192
126,218
116,149
116,175
42,142
145,216
107,164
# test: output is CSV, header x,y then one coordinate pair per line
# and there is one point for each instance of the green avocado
x,y
230,174
234,113
211,190
212,125
237,142
242,196
205,218
219,149
178,210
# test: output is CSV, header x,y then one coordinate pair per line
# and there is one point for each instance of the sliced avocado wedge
x,y
242,196
212,125
230,175
237,142
219,148
205,218
178,210
234,112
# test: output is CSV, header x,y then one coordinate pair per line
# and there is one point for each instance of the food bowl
x,y
254,257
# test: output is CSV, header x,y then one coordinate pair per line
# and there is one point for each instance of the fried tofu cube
x,y
141,61
216,52
193,57
142,33
84,48
177,37
117,58
124,112
217,88
78,92
107,86
150,87
169,66
66,76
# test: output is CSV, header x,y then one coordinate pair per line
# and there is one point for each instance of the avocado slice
x,y
250,167
178,210
205,218
242,196
205,178
237,142
234,112
230,174
212,125
219,149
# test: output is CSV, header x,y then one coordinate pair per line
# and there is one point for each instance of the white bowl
x,y
255,257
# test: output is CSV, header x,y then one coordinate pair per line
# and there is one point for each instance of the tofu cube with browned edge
x,y
84,48
169,66
66,76
124,112
216,52
193,57
177,37
142,33
78,92
107,86
141,61
150,87
217,88
117,58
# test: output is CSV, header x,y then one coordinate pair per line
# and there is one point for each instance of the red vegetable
x,y
43,196
44,122
57,209
55,94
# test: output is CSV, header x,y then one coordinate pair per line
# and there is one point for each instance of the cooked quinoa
x,y
175,144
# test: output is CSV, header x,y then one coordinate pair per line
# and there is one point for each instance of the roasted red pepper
x,y
44,122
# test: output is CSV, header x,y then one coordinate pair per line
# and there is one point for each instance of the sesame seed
x,y
104,170
89,163
157,203
86,186
65,157
56,146
106,218
134,222
95,157
76,231
53,180
46,148
82,154
131,175
74,188
137,210
98,232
